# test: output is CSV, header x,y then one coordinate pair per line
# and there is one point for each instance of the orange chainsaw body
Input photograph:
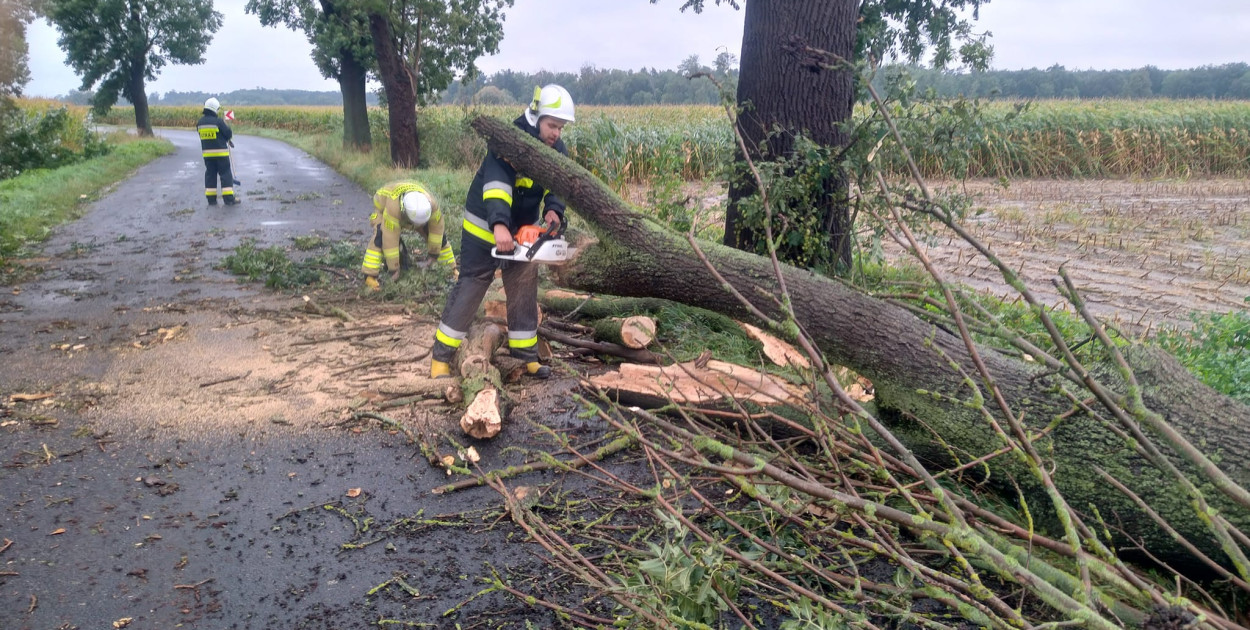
x,y
528,235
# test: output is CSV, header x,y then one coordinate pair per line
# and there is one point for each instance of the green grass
x,y
1216,350
34,202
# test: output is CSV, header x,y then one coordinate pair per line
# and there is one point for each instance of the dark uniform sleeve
x,y
225,134
497,179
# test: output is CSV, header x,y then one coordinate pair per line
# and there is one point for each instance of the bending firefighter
x,y
400,204
215,146
500,202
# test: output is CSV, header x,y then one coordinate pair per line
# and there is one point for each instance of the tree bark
x,y
781,98
909,361
401,100
136,92
356,133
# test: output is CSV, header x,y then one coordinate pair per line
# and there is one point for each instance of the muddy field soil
x,y
1142,254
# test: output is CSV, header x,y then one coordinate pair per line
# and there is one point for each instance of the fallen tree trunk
x,y
910,361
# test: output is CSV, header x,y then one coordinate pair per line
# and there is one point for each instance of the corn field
x,y
1052,139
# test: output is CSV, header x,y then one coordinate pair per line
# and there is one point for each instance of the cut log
x,y
689,384
910,362
635,331
483,418
602,347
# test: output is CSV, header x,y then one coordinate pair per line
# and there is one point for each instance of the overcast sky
x,y
564,35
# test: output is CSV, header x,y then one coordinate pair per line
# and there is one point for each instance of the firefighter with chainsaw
x,y
215,143
398,205
502,203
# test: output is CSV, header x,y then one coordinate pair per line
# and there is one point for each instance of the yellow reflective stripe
x,y
211,192
391,252
390,223
445,340
215,152
524,182
485,235
523,343
497,193
448,336
227,191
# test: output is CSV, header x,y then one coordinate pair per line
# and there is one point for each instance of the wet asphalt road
x,y
102,528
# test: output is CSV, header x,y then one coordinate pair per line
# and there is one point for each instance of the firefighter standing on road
x,y
400,204
499,203
215,143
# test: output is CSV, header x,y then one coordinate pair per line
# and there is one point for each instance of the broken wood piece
x,y
636,331
226,379
688,384
482,419
777,351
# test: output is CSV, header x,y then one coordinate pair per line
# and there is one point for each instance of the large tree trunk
x,y
401,99
780,98
136,92
356,134
908,360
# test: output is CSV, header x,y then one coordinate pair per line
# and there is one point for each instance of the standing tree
x,y
421,45
781,99
121,44
342,50
14,72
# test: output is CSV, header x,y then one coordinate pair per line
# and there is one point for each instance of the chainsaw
x,y
533,244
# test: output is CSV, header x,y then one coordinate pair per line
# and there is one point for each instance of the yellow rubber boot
x,y
371,283
538,370
439,369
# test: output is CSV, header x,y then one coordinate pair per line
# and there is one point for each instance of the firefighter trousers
x,y
477,271
214,168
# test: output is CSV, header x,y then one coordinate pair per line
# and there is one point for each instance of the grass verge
x,y
34,202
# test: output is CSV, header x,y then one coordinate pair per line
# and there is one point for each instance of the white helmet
x,y
212,105
417,208
550,100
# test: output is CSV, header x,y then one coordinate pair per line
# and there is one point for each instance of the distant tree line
x,y
255,96
598,86
1228,81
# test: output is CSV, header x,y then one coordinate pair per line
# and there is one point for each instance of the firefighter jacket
x,y
215,135
499,194
388,220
